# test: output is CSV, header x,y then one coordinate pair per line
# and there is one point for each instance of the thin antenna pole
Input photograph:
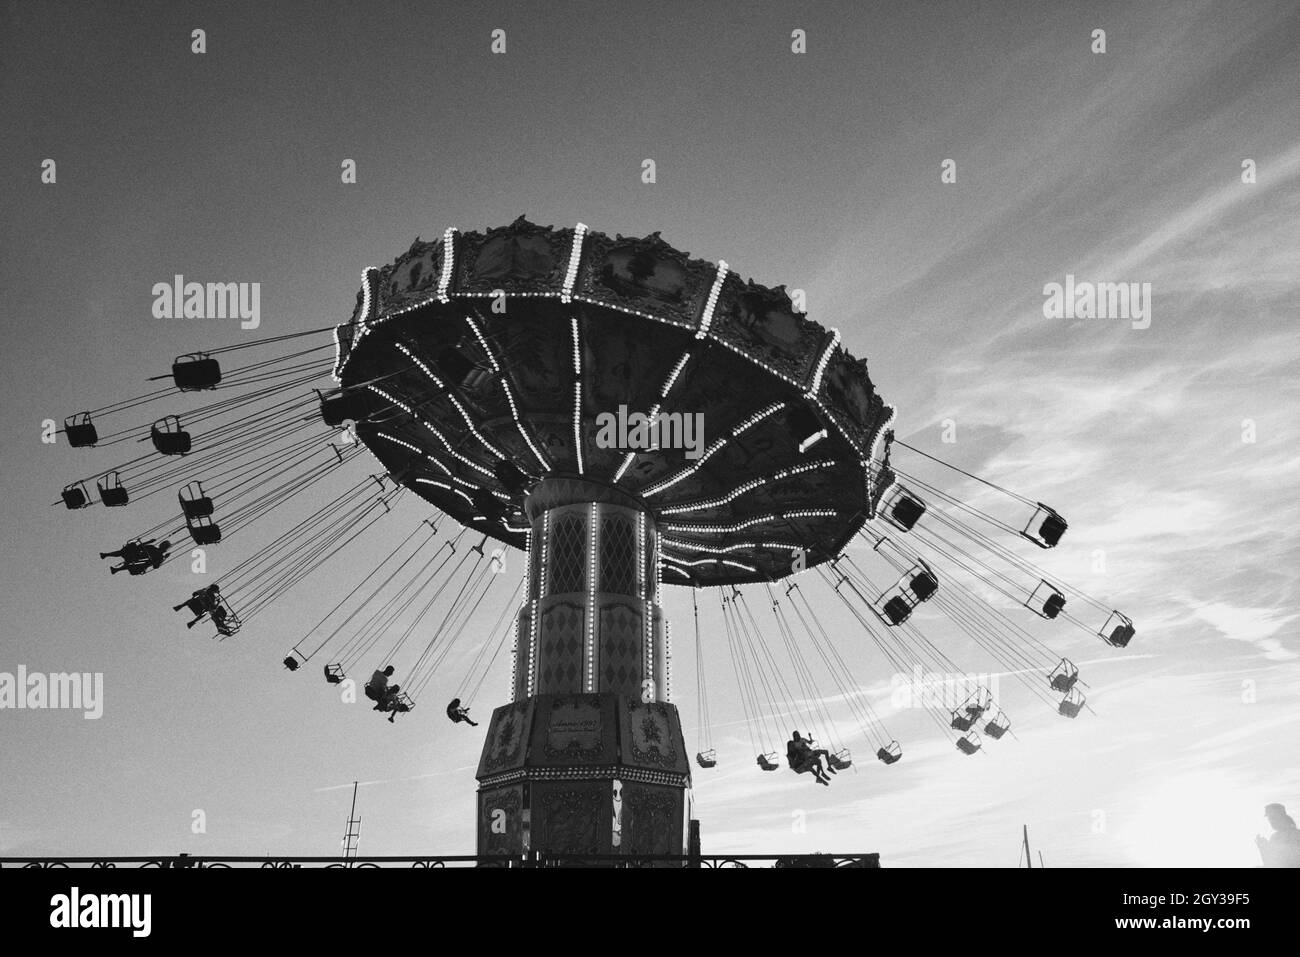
x,y
1029,859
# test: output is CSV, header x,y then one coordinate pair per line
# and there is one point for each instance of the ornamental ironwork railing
x,y
533,859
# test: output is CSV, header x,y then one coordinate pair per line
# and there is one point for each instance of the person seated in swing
x,y
201,603
139,557
377,689
801,757
393,703
221,618
457,713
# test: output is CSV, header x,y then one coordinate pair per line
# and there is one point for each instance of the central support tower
x,y
588,758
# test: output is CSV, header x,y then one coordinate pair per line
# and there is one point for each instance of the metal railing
x,y
531,859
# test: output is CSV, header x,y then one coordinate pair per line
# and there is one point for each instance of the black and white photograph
x,y
571,437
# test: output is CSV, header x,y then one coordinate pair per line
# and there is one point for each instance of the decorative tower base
x,y
584,774
589,758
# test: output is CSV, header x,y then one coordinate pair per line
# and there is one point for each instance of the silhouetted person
x,y
801,757
139,557
457,713
1283,848
393,703
377,687
201,603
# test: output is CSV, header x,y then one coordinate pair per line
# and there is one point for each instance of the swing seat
x,y
111,491
1052,529
168,437
402,703
74,497
840,760
1045,527
996,728
204,531
1118,630
906,512
707,759
966,746
897,610
334,674
767,761
924,586
80,430
196,371
291,663
891,753
1071,704
228,626
1046,600
1063,676
1121,636
194,504
961,722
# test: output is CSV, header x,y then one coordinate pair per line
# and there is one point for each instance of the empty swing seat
x,y
74,496
897,610
924,586
1121,635
1052,529
169,438
906,512
204,531
967,746
1046,600
196,371
707,759
291,663
1118,630
1071,704
194,504
1045,527
961,722
111,491
334,674
890,753
840,760
766,763
998,726
80,430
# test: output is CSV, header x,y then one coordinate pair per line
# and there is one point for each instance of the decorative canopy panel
x,y
483,362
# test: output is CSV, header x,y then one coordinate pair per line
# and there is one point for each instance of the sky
x,y
1169,448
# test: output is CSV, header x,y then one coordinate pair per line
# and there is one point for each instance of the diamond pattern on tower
x,y
617,556
567,569
561,647
620,649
